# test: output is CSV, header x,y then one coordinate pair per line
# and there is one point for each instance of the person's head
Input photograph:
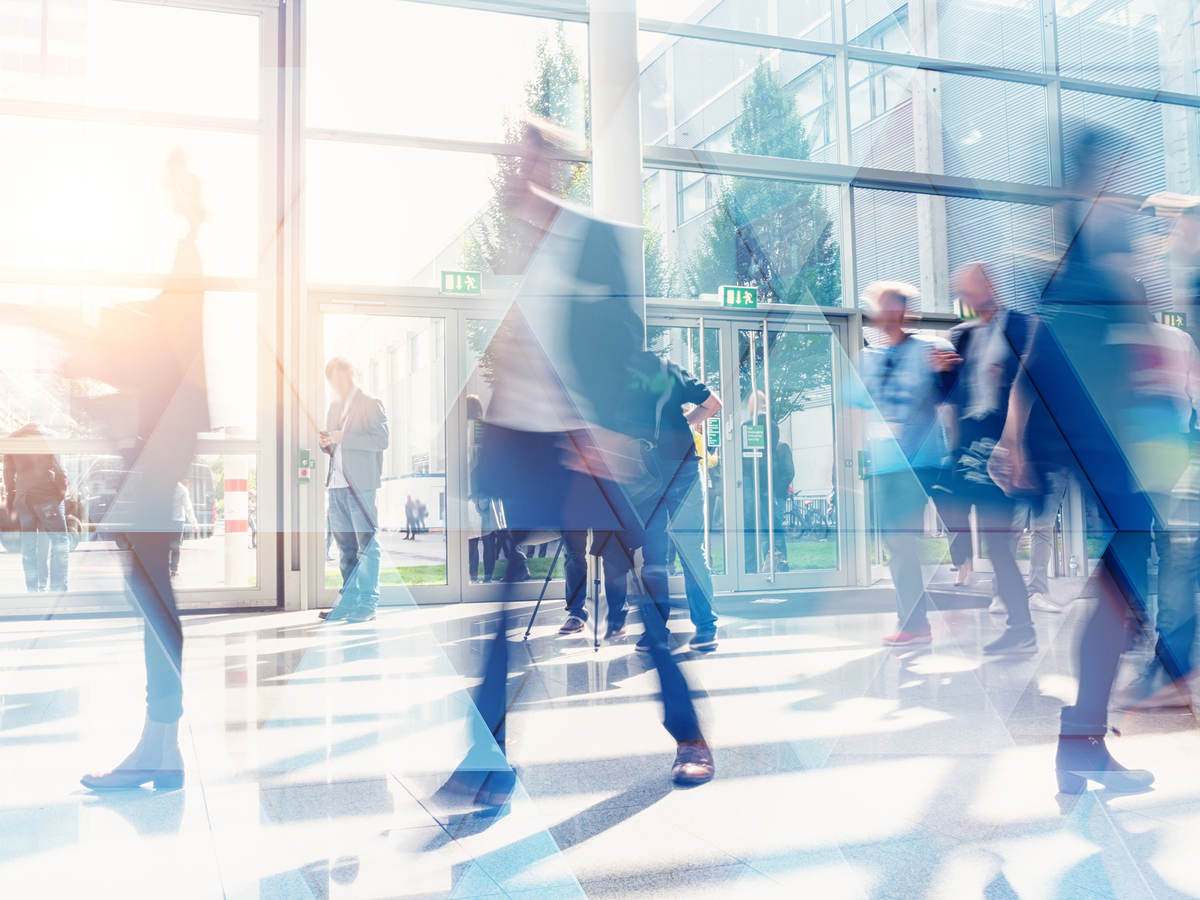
x,y
540,147
888,302
474,407
975,289
340,374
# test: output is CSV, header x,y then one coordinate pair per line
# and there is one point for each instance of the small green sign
x,y
737,297
712,432
1175,319
304,466
754,437
462,282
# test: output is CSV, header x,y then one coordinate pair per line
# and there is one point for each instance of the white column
x,y
616,118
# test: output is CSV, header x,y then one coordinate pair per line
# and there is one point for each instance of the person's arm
x,y
706,410
189,508
374,436
330,423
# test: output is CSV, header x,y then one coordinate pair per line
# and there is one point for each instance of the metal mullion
x,y
714,162
80,112
732,36
566,12
420,142
132,280
1053,92
246,7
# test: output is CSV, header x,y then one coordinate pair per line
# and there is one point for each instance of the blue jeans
x,y
355,524
685,515
45,550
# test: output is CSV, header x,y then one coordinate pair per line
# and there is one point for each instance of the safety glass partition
x,y
110,102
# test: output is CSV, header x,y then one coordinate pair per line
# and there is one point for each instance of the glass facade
x,y
351,152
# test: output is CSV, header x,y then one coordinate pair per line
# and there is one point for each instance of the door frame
x,y
844,325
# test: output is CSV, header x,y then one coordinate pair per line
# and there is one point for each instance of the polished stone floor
x,y
843,769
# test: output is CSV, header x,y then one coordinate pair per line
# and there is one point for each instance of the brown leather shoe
x,y
693,763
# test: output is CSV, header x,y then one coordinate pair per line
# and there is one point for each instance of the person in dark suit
x,y
980,373
355,436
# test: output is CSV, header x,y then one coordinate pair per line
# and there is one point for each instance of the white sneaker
x,y
997,607
1039,602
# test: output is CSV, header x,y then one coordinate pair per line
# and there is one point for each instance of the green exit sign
x,y
1175,319
462,282
738,297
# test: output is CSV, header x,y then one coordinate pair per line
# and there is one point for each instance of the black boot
x,y
1083,756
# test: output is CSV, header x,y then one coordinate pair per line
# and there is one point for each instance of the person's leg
x,y
901,514
1178,545
491,551
575,572
365,519
955,512
616,581
342,524
473,557
995,517
53,520
27,522
150,584
654,563
686,519
1041,538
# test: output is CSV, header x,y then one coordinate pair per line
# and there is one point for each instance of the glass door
x,y
678,339
787,450
399,357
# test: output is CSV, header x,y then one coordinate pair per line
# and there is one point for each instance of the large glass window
x,y
807,19
1006,34
737,99
421,69
912,119
781,236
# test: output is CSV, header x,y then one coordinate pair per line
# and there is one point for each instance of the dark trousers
x,y
1178,546
355,524
541,494
177,547
575,572
1121,583
490,544
994,515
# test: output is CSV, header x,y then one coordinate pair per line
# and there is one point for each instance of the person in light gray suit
x,y
355,436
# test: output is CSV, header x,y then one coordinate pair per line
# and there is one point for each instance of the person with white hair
x,y
906,443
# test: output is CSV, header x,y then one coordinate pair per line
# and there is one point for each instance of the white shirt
x,y
983,367
337,478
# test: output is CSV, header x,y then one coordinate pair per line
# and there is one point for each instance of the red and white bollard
x,y
237,521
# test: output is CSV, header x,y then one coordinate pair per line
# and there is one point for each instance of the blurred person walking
x,y
906,443
355,437
980,370
184,516
1094,398
152,352
557,444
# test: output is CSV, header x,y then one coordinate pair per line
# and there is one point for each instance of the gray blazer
x,y
365,438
